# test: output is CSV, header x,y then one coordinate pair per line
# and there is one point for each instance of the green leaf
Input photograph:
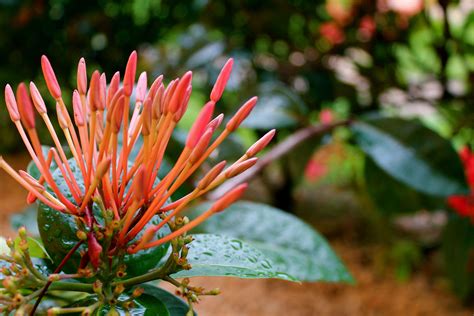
x,y
26,218
35,247
394,197
153,302
216,255
412,154
293,246
458,252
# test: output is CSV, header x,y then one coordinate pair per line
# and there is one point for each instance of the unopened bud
x,y
113,87
141,87
61,119
157,101
119,288
130,72
97,287
118,114
11,104
37,99
146,117
228,198
260,144
241,114
211,175
81,235
82,77
138,291
240,167
216,122
180,92
94,91
25,105
200,124
201,146
221,81
50,78
77,107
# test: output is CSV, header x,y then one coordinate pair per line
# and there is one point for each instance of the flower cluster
x,y
101,133
462,204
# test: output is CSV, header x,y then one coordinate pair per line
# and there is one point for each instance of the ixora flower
x,y
464,204
119,207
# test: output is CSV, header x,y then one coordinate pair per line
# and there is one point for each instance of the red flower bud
x,y
241,114
82,76
130,72
240,167
113,87
77,107
228,198
211,175
221,81
200,124
50,78
260,144
180,92
25,106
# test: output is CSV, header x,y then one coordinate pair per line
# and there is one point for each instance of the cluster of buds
x,y
101,133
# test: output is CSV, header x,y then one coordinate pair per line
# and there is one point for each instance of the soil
x,y
374,294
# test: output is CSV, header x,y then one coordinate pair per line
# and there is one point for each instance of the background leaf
x,y
216,255
293,246
412,154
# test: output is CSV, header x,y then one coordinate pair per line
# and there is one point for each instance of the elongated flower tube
x,y
103,136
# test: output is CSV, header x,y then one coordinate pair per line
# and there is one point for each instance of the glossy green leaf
x,y
458,252
291,245
153,302
218,255
393,197
26,218
412,154
35,247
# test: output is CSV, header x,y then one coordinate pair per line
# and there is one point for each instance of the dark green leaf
x,y
293,246
215,255
174,305
458,250
393,197
413,154
26,218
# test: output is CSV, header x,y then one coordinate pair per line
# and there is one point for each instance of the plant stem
x,y
57,270
277,152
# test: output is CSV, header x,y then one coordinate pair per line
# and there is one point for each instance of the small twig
x,y
57,270
275,153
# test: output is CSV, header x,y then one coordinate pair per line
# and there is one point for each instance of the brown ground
x,y
374,294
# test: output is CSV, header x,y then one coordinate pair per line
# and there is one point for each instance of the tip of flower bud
x,y
184,104
211,175
228,198
241,114
94,91
260,144
82,76
141,87
201,146
180,92
155,86
157,101
240,167
12,106
114,85
113,104
50,78
216,122
25,106
200,124
77,107
130,72
221,81
37,99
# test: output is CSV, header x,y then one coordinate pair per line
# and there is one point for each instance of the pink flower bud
x,y
211,175
141,87
184,104
200,124
157,100
216,122
50,78
169,91
94,91
37,99
102,92
25,106
260,144
228,198
221,81
180,92
12,106
240,167
118,114
82,77
113,103
201,146
77,107
130,72
241,114
113,87
155,86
